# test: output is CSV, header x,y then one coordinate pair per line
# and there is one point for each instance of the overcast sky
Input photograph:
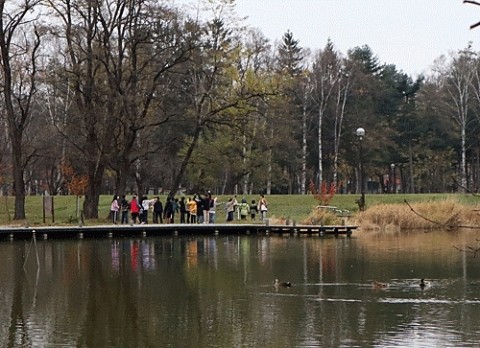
x,y
408,33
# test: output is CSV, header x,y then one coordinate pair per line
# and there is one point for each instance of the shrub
x,y
321,217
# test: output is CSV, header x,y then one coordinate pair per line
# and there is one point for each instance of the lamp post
x,y
393,188
360,134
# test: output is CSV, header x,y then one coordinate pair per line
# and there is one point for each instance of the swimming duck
x,y
423,284
276,283
379,285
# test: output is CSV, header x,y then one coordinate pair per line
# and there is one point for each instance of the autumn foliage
x,y
76,184
324,194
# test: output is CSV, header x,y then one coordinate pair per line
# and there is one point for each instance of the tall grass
x,y
448,213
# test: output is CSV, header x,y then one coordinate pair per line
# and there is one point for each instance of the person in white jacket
x,y
114,209
214,203
146,204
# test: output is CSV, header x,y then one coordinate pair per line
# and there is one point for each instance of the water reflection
x,y
218,291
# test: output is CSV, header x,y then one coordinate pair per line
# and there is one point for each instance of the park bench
x,y
335,210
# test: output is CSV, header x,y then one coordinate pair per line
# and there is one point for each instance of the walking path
x,y
110,231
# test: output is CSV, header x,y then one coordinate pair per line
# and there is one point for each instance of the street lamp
x,y
392,166
360,134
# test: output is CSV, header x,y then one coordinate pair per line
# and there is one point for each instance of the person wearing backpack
x,y
244,209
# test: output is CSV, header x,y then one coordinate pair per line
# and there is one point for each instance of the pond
x,y
218,291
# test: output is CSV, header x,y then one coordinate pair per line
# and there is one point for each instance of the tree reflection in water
x,y
217,291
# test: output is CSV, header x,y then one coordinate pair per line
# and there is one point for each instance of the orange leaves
x,y
76,184
325,194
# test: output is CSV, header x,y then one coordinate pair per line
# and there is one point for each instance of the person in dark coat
x,y
183,210
125,207
169,211
206,201
157,211
199,202
253,210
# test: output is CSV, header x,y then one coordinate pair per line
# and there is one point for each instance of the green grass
x,y
293,207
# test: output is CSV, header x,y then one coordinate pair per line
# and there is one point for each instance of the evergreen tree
x,y
290,55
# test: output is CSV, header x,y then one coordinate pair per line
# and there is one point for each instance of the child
x,y
244,209
253,210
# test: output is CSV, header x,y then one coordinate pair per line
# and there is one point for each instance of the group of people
x,y
198,209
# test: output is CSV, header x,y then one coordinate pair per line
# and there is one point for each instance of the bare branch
x,y
473,26
471,2
437,222
470,250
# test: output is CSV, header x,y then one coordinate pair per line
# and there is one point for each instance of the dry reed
x,y
322,217
425,215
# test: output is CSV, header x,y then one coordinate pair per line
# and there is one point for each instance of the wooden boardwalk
x,y
118,231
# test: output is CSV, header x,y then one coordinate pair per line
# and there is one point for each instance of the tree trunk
x,y
320,149
246,173
339,115
410,165
186,159
16,119
463,165
303,175
92,195
121,177
19,184
269,168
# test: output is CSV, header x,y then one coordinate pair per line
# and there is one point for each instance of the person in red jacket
x,y
134,209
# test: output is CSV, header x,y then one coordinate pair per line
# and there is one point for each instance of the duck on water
x,y
379,285
423,283
277,284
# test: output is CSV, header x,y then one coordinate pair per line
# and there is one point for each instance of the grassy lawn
x,y
293,207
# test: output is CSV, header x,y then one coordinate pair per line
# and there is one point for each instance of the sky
x,y
411,34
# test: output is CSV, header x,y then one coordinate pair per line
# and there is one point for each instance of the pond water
x,y
218,291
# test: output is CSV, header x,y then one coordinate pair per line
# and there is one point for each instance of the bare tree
x,y
89,124
120,55
343,90
326,73
305,88
143,45
19,47
458,77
